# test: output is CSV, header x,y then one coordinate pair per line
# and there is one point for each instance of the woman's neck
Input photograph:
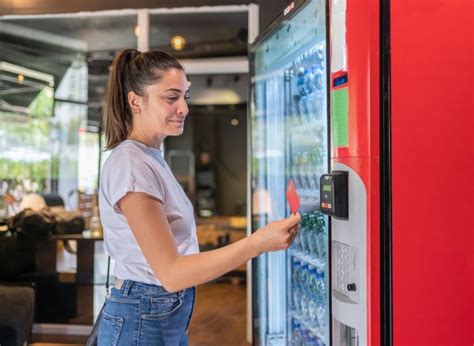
x,y
154,142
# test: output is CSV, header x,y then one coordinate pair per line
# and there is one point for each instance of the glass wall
x,y
53,71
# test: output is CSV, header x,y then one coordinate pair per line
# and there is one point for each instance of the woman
x,y
148,221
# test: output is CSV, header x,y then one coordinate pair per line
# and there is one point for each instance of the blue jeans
x,y
143,314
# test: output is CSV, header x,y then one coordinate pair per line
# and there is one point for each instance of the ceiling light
x,y
137,30
234,122
177,42
20,77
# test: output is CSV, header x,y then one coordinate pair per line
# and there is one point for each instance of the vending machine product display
x,y
289,120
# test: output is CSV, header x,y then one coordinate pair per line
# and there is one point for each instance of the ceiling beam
x,y
15,80
18,91
18,7
42,36
12,68
238,64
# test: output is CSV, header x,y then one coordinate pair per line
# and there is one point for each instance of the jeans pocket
x,y
110,329
164,306
192,308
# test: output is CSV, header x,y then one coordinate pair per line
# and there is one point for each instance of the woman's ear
x,y
134,101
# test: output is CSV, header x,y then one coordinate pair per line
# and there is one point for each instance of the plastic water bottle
x,y
297,242
301,83
304,298
314,301
295,329
303,334
319,92
320,227
302,231
312,341
321,310
312,95
312,236
295,273
296,286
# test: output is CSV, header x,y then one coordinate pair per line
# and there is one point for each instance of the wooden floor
x,y
220,316
219,319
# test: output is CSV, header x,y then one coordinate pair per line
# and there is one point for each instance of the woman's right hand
x,y
277,235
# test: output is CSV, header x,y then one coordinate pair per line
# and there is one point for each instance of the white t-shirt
x,y
135,167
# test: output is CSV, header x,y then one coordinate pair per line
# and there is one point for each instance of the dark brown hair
x,y
131,70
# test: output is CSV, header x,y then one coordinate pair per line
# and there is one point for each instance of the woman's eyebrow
x,y
174,89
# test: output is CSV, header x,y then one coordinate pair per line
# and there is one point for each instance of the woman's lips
x,y
178,122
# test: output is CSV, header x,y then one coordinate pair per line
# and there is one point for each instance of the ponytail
x,y
118,116
131,71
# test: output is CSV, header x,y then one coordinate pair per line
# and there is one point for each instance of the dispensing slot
x,y
344,335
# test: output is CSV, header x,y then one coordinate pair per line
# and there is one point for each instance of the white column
x,y
143,32
253,23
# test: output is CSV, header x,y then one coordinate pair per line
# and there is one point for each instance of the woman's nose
x,y
183,108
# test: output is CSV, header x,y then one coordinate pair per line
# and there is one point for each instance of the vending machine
x,y
334,92
289,141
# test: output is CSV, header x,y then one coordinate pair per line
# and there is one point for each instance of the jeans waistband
x,y
135,286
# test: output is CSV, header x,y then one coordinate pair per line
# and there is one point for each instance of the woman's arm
x,y
147,219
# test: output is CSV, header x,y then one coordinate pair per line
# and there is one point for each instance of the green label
x,y
340,117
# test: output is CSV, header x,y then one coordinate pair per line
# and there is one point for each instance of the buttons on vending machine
x,y
334,194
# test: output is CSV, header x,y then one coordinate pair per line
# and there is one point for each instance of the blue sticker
x,y
339,80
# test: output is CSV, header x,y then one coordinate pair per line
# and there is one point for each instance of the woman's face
x,y
164,108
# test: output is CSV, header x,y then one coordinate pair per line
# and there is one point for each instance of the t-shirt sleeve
x,y
132,175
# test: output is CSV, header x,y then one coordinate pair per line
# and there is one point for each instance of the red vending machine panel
x,y
355,114
432,171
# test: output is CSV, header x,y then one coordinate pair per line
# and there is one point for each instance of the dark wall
x,y
227,144
269,9
212,131
231,162
185,140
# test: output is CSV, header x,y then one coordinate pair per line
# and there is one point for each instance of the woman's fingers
x,y
293,231
292,220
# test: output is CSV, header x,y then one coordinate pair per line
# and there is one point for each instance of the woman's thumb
x,y
292,220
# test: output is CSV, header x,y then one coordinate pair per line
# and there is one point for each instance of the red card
x,y
292,197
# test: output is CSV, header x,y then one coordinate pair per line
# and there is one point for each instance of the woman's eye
x,y
187,97
172,98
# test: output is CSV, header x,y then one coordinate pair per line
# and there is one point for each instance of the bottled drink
x,y
321,309
304,298
303,333
295,329
312,237
314,301
312,341
320,225
302,94
319,92
302,232
296,287
312,95
297,242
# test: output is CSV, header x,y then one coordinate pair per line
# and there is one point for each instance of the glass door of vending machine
x,y
289,141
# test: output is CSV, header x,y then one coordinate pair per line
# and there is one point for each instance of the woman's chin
x,y
177,131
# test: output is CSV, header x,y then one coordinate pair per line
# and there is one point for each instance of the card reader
x,y
334,194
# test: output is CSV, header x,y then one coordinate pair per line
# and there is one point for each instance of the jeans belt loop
x,y
118,283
